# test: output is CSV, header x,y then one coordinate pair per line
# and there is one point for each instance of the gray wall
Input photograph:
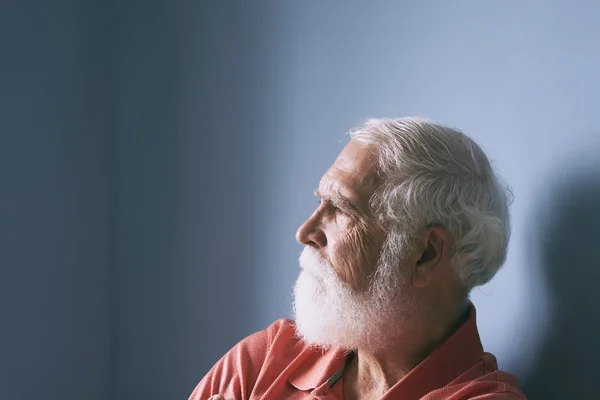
x,y
191,121
57,173
157,158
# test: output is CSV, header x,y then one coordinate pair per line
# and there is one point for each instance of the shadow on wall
x,y
567,366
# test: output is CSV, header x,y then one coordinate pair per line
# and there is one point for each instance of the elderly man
x,y
410,218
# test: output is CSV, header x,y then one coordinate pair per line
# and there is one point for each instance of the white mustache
x,y
312,262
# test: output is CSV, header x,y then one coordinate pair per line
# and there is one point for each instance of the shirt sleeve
x,y
235,374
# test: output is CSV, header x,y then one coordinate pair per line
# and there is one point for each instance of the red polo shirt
x,y
275,364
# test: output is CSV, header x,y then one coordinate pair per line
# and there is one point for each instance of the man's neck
x,y
370,375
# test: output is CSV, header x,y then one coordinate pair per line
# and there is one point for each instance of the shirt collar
x,y
461,350
317,368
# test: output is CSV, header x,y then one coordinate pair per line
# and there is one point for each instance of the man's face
x,y
342,230
338,299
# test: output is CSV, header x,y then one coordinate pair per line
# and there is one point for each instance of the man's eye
x,y
336,208
331,206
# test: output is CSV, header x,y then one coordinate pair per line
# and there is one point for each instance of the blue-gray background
x,y
157,157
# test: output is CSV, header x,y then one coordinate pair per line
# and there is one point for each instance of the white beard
x,y
330,313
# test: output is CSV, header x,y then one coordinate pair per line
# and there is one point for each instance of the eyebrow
x,y
340,200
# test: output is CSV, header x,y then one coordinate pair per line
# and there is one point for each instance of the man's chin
x,y
319,318
329,316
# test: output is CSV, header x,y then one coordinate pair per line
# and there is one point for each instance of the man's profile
x,y
411,217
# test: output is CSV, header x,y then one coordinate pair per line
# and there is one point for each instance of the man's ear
x,y
433,252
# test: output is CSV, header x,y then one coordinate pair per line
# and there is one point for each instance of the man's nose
x,y
311,233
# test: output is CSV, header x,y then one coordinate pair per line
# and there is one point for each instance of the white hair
x,y
434,175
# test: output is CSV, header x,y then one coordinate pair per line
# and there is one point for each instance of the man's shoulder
x,y
284,325
237,372
510,395
281,327
483,380
495,383
280,334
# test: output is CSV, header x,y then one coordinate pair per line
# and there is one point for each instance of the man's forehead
x,y
357,156
354,173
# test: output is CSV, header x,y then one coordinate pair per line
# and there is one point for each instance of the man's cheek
x,y
347,259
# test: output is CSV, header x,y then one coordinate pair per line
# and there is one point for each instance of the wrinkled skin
x,y
343,228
